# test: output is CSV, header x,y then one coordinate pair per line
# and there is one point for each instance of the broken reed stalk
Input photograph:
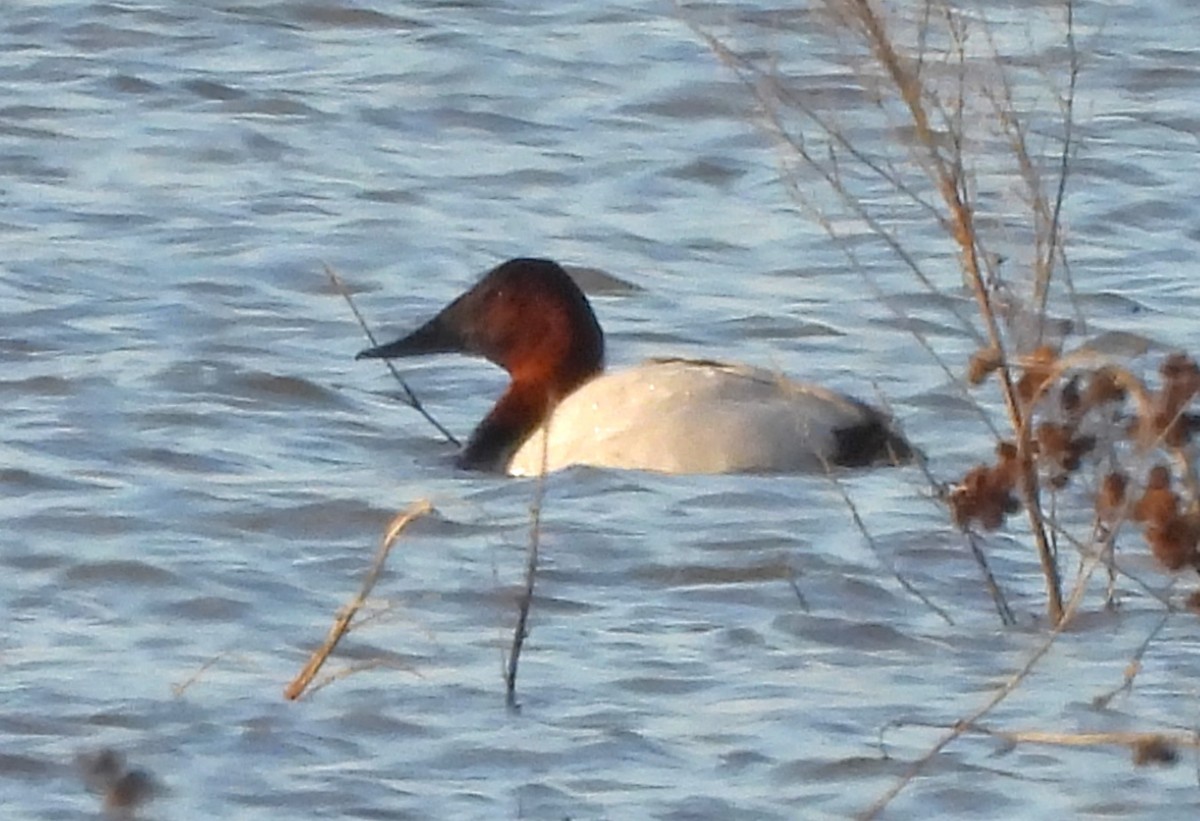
x,y
1147,747
525,602
409,397
341,623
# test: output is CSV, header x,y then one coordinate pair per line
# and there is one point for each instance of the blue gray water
x,y
194,472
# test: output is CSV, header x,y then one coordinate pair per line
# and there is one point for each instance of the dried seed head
x,y
984,495
1039,366
1054,441
1111,496
1181,382
1103,386
1154,750
983,363
1158,505
1173,542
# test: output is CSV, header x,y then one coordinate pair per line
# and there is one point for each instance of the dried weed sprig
x,y
342,623
525,601
409,397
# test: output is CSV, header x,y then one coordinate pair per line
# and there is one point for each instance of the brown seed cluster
x,y
1155,750
984,362
1170,517
1061,448
1171,532
1110,501
986,494
1039,369
1168,421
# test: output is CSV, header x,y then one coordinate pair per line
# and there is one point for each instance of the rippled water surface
x,y
194,472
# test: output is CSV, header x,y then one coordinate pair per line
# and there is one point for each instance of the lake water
x,y
194,473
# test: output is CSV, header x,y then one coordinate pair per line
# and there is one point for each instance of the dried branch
x,y
409,398
525,602
341,624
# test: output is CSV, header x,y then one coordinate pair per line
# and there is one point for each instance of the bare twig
x,y
1133,667
341,624
345,672
409,398
1054,243
896,574
525,602
795,585
179,689
1088,739
989,580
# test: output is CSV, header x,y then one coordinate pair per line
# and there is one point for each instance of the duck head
x,y
529,317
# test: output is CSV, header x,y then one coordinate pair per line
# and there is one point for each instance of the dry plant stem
x,y
1002,608
1089,553
1004,692
862,528
1134,666
346,672
341,624
521,630
795,585
1054,247
948,178
410,398
178,690
1126,739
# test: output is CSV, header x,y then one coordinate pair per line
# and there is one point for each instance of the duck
x,y
670,415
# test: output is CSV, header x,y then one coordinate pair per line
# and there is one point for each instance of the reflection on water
x,y
195,473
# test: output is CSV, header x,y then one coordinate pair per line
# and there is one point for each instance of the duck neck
x,y
530,398
518,413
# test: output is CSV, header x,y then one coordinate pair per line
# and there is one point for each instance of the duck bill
x,y
435,336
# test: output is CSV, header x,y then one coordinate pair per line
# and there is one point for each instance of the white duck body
x,y
688,416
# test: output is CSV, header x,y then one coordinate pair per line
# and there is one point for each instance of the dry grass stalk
x,y
989,579
1134,666
1145,747
912,589
345,672
179,689
525,602
409,398
342,622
